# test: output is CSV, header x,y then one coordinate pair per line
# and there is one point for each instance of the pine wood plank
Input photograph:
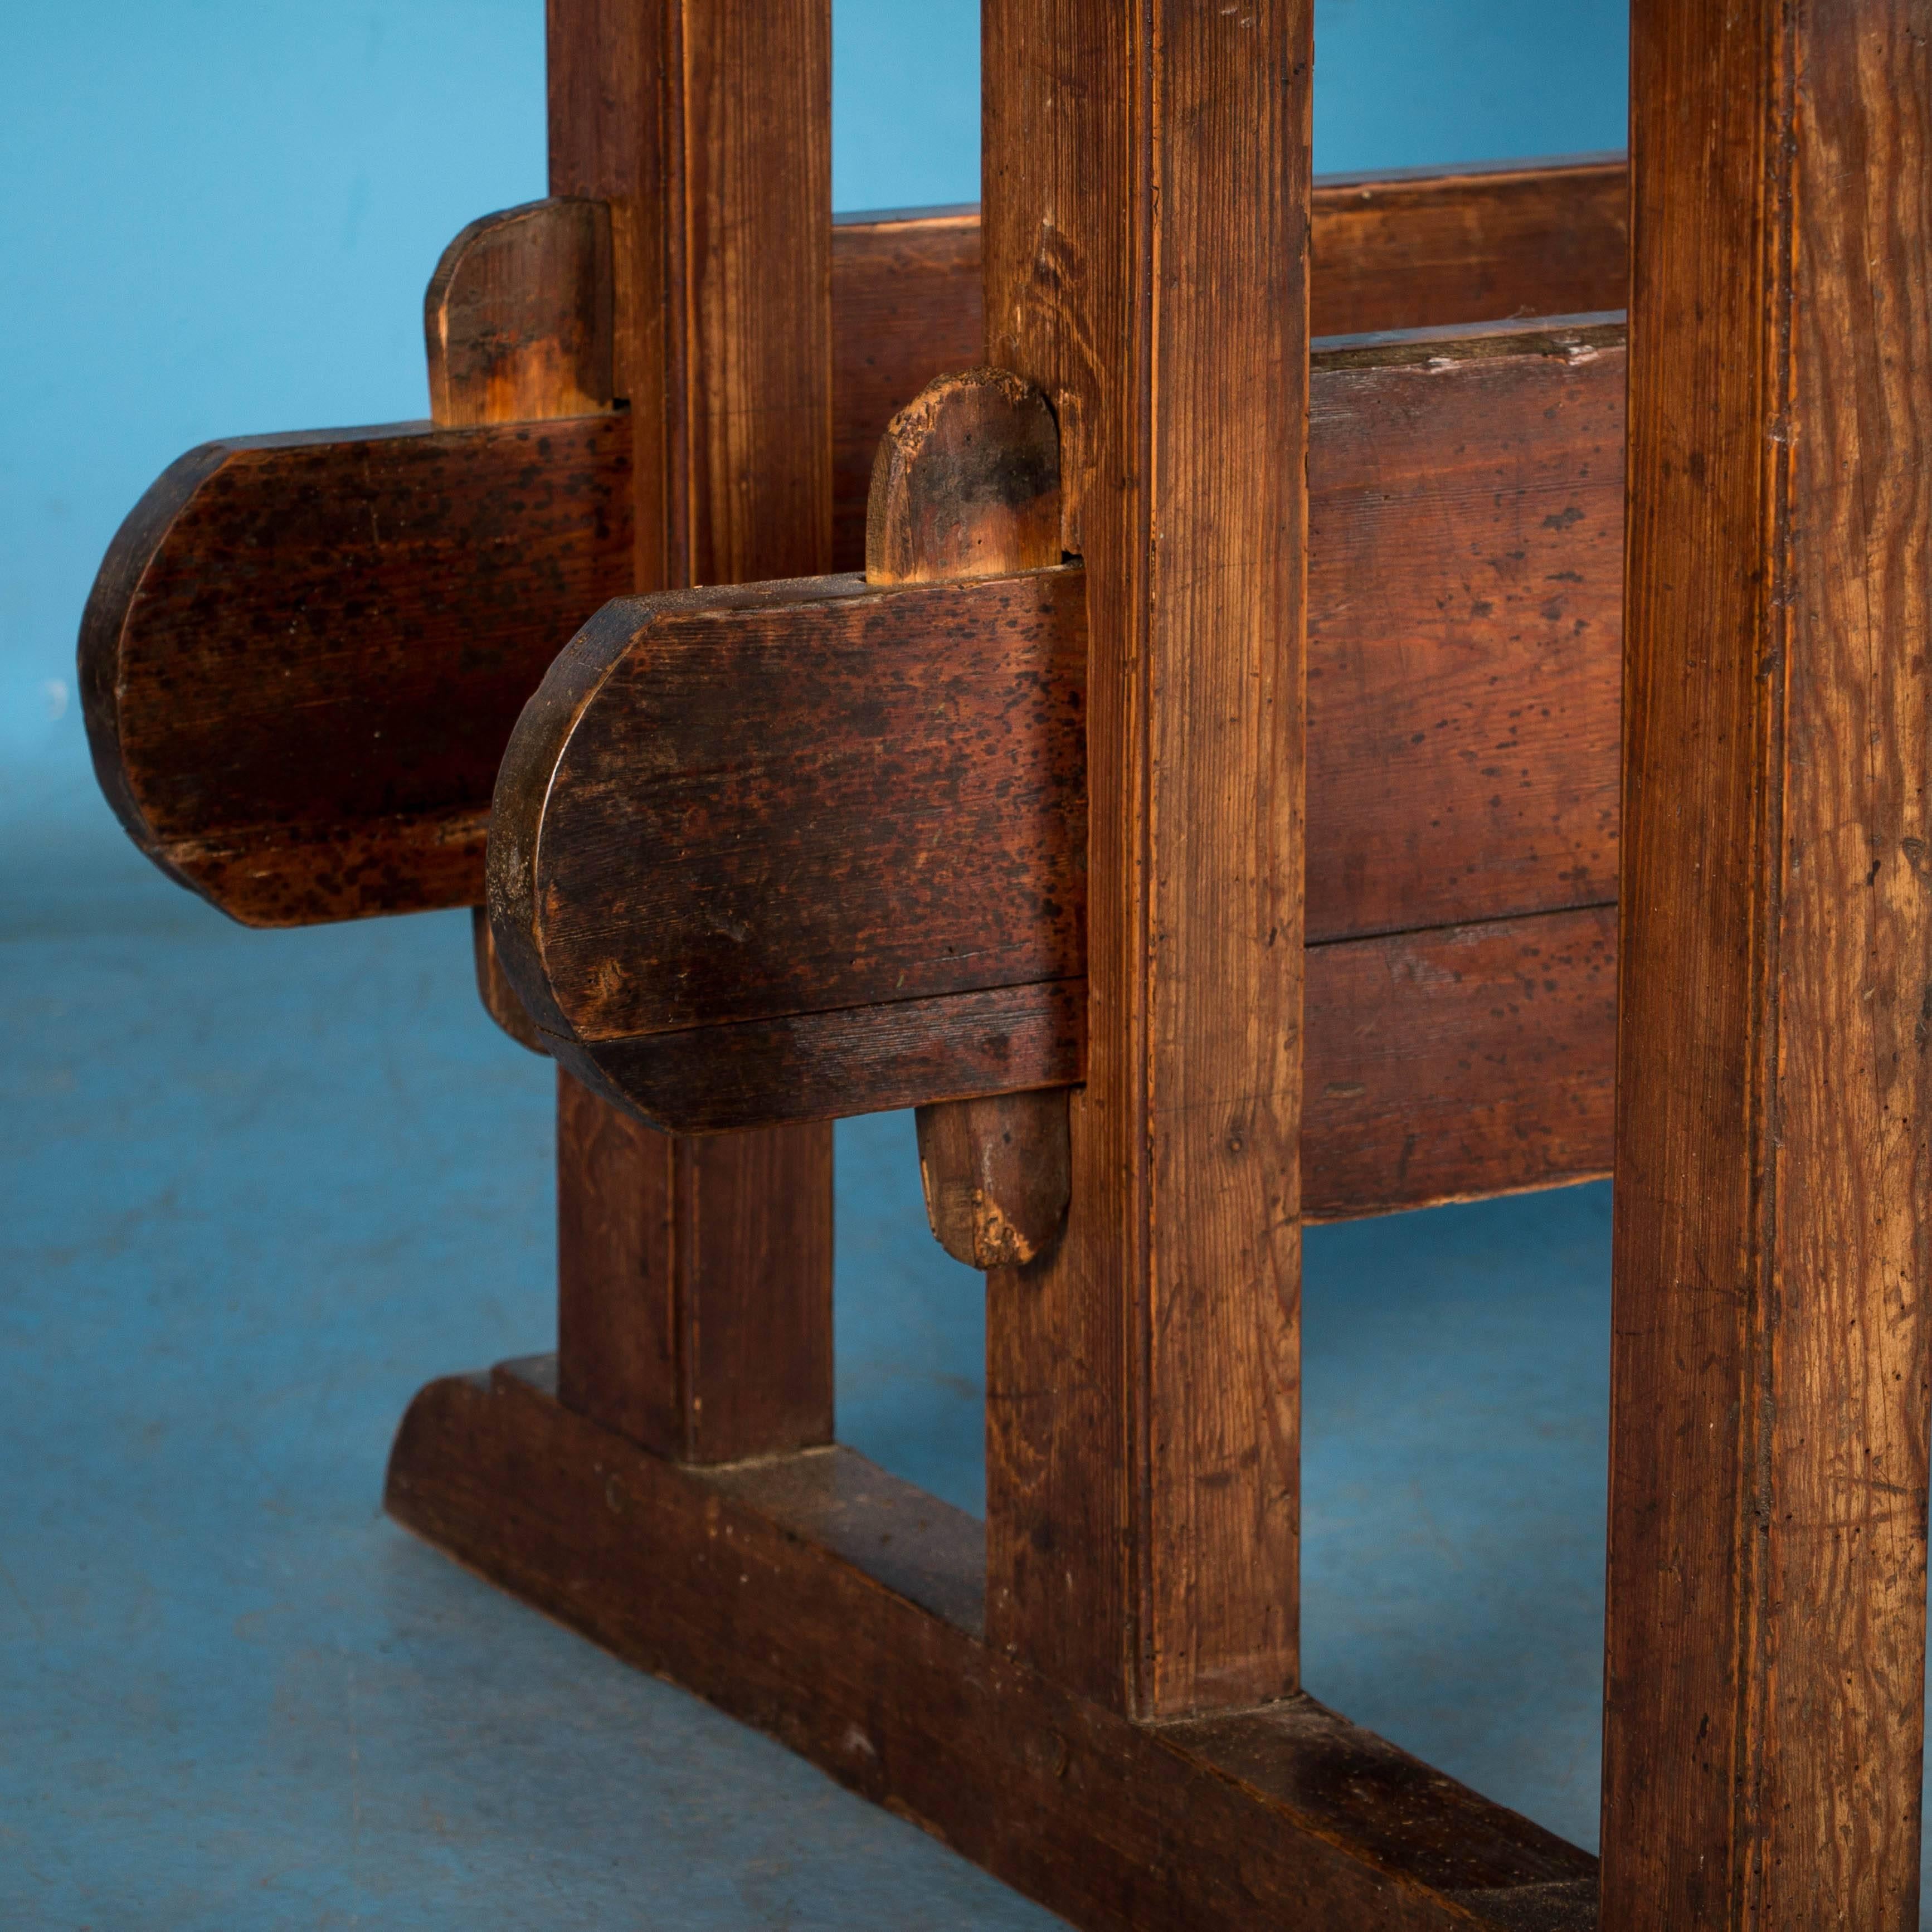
x,y
1766,1642
1146,250
695,1278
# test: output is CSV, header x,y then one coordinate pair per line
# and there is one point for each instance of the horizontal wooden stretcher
x,y
306,653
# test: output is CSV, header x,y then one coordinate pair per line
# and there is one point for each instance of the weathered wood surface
x,y
1412,249
518,327
996,1173
788,947
1467,1060
1465,599
1147,264
517,317
967,484
694,1278
1425,246
1461,1062
303,654
814,799
1465,564
838,1609
1766,1640
905,307
695,1310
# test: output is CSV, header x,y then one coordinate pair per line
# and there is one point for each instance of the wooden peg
x,y
518,317
995,1173
518,323
967,483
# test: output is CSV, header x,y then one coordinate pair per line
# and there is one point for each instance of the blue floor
x,y
258,1187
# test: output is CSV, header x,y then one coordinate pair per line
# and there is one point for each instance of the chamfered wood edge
x,y
1348,187
1571,336
499,997
830,1605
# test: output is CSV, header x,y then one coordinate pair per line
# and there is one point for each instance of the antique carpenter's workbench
x,y
1205,806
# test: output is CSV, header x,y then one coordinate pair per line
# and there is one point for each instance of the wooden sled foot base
x,y
842,1611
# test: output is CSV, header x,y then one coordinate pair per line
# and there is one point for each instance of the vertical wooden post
x,y
695,1310
1766,1629
1147,199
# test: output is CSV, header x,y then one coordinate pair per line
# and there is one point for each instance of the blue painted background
x,y
257,1187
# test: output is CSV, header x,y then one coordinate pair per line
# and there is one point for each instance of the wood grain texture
x,y
303,653
1461,680
967,483
1766,1639
1411,249
996,1175
1146,250
1424,247
705,125
836,1608
905,307
696,1314
802,799
1470,1059
518,327
853,1059
1466,563
517,317
785,945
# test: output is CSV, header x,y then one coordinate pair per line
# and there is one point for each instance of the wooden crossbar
x,y
844,1612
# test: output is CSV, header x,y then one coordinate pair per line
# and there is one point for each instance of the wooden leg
x,y
695,1305
1146,240
695,1281
1766,1640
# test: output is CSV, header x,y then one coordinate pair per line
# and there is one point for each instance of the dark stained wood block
x,y
744,805
303,653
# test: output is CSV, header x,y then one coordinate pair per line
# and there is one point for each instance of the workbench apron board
x,y
1205,805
